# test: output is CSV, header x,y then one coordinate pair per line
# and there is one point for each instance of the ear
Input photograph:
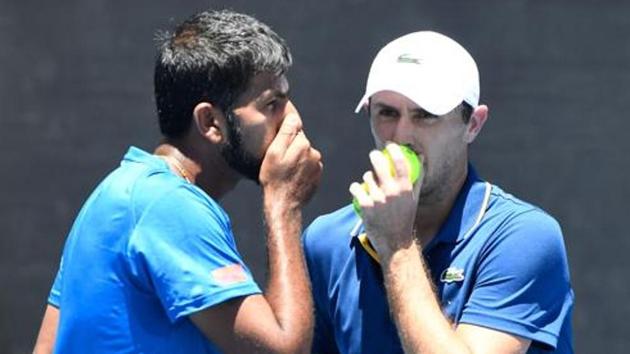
x,y
210,122
477,120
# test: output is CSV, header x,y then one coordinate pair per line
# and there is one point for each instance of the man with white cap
x,y
451,263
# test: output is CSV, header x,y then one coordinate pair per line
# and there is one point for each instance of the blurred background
x,y
76,92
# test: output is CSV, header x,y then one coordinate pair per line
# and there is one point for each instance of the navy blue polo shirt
x,y
497,262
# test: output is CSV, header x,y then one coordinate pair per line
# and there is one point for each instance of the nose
x,y
404,131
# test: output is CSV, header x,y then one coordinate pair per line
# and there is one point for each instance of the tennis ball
x,y
413,166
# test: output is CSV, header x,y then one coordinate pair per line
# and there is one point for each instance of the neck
x,y
201,169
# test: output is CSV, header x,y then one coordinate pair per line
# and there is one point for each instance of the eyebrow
x,y
281,94
274,93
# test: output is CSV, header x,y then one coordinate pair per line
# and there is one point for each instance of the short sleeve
x,y
184,250
522,284
54,297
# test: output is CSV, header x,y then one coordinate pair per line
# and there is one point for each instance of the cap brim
x,y
362,103
420,100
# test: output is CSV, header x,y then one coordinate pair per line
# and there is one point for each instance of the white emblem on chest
x,y
452,274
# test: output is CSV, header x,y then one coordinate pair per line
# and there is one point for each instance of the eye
x,y
424,116
275,104
272,105
386,112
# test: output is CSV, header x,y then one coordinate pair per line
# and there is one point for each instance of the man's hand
x,y
281,320
292,168
389,202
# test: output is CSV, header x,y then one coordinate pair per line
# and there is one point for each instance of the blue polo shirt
x,y
497,262
146,250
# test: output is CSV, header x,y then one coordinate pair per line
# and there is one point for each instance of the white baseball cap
x,y
429,68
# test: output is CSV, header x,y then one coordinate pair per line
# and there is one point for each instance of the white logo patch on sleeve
x,y
229,275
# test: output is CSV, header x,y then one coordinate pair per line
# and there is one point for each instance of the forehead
x,y
263,85
393,99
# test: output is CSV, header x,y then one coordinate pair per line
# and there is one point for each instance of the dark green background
x,y
76,91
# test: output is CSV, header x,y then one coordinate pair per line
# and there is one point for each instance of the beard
x,y
234,153
442,178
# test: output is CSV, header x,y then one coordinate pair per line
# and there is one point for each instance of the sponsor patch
x,y
229,275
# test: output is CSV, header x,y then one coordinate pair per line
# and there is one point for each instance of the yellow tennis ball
x,y
413,163
413,166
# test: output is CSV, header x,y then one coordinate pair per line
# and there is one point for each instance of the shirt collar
x,y
466,214
467,211
138,155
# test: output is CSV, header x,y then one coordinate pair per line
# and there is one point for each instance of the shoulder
x,y
522,234
330,235
516,216
167,209
521,281
328,249
164,193
328,241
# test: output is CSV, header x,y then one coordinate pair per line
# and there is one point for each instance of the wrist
x,y
392,246
279,204
280,213
395,261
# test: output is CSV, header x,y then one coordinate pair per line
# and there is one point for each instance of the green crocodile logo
x,y
408,58
452,274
